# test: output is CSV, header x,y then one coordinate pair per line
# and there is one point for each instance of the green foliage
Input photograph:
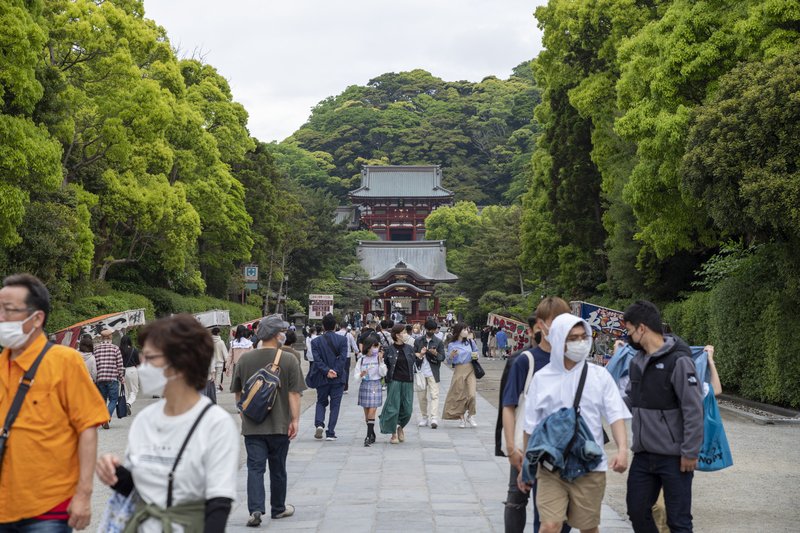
x,y
480,133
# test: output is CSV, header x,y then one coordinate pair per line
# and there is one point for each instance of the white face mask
x,y
578,350
12,336
281,339
152,380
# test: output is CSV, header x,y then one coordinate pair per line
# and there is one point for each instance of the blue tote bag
x,y
715,453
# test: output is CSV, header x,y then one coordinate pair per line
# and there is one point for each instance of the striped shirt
x,y
108,359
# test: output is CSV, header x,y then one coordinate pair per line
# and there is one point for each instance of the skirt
x,y
370,393
461,396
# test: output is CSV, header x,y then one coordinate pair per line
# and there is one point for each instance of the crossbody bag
x,y
24,386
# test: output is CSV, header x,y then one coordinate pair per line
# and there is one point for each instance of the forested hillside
x,y
651,151
482,134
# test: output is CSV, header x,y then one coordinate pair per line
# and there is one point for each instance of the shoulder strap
x,y
579,392
171,476
24,386
277,362
531,364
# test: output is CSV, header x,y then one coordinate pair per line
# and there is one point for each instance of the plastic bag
x,y
119,510
715,453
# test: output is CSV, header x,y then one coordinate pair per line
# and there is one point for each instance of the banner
x,y
319,305
215,317
517,331
114,321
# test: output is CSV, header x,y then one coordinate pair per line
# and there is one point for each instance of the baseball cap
x,y
270,326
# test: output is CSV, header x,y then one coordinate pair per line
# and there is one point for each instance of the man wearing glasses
x,y
46,471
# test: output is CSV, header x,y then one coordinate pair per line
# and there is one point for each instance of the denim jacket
x,y
549,440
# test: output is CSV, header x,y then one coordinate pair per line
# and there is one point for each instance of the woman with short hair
x,y
192,490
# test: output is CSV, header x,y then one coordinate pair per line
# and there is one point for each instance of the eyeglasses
x,y
8,310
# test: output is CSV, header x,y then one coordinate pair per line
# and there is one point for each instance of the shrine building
x,y
393,202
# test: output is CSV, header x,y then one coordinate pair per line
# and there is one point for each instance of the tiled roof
x,y
424,258
401,182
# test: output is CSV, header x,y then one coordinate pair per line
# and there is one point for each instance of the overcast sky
x,y
282,57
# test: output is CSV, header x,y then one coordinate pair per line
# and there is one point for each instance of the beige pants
x,y
461,396
660,514
131,384
429,409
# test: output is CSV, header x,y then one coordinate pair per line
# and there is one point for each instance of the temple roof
x,y
401,182
425,260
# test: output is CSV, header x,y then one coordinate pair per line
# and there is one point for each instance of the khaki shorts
x,y
577,503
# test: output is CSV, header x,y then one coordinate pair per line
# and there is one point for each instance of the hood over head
x,y
559,330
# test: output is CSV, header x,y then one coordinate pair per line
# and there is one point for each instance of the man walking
x,y
268,442
667,403
330,354
220,355
110,371
430,353
47,469
502,342
352,351
576,491
520,369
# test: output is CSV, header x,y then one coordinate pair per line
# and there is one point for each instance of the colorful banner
x,y
319,305
517,331
114,321
607,326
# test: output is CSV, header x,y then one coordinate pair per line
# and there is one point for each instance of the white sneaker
x,y
318,432
472,421
423,423
462,423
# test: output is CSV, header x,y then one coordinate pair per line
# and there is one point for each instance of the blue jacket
x,y
326,359
549,440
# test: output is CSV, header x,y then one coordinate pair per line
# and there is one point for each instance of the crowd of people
x,y
179,469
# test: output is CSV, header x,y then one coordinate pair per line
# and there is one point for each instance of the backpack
x,y
260,391
519,415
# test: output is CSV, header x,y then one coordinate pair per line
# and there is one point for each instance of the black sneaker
x,y
255,520
330,438
367,442
372,438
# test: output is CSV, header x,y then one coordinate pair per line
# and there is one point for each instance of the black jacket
x,y
435,361
390,357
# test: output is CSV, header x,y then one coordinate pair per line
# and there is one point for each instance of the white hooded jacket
x,y
554,387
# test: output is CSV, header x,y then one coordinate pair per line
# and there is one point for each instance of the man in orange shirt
x,y
46,472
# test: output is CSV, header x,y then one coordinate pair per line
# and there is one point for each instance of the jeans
x,y
109,390
515,516
31,525
328,393
263,449
650,472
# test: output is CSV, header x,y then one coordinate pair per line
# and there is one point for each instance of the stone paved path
x,y
445,479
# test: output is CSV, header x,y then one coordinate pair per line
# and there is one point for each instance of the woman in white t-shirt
x,y
176,353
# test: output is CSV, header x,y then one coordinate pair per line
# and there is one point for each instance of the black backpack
x,y
260,391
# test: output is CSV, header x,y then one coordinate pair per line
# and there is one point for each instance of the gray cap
x,y
270,326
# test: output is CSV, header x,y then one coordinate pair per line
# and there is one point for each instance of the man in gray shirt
x,y
268,442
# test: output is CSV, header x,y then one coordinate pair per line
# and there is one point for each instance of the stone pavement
x,y
446,479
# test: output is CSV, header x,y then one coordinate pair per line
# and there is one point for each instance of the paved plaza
x,y
446,479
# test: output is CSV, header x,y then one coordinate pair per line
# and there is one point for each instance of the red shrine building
x,y
393,202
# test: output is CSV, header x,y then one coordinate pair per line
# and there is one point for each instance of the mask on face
x,y
281,339
464,334
152,380
635,345
373,351
578,350
12,336
537,337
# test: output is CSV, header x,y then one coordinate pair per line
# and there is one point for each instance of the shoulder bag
x,y
476,366
24,386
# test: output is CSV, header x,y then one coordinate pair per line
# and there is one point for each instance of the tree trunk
x,y
269,282
108,264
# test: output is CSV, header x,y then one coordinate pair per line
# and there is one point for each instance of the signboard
x,y
114,321
319,305
517,331
251,273
607,325
215,317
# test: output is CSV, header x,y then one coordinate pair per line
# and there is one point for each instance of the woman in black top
x,y
399,404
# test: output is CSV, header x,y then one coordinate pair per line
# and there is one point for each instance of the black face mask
x,y
537,337
635,345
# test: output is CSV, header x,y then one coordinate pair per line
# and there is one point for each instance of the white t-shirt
x,y
553,388
207,468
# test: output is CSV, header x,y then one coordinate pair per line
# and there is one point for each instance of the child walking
x,y
370,368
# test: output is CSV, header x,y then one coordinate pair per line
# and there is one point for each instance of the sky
x,y
283,57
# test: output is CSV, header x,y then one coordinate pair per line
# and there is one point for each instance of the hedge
x,y
751,318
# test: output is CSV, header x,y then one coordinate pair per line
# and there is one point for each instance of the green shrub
x,y
689,319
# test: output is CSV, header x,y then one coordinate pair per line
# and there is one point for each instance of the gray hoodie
x,y
666,420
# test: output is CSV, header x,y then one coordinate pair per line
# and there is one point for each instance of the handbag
x,y
24,386
420,383
122,404
715,454
479,371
